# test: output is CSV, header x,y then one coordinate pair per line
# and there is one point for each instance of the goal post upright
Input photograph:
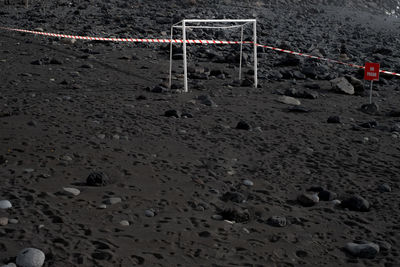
x,y
185,24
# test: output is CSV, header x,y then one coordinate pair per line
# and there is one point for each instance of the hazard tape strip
x,y
136,40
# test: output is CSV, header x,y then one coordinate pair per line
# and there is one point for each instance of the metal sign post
x,y
371,73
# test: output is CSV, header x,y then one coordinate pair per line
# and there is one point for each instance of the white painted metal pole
x,y
255,54
185,81
370,92
241,53
170,59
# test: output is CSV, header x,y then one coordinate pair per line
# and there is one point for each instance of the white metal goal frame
x,y
186,24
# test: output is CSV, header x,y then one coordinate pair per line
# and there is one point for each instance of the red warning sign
x,y
371,71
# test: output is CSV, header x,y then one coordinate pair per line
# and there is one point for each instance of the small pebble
x,y
248,183
384,188
149,213
124,223
113,200
72,191
13,221
277,221
217,217
102,206
3,221
5,204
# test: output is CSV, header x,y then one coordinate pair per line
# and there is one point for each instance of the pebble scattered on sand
x,y
13,221
289,100
366,250
3,221
124,223
30,257
248,182
5,204
112,200
308,200
277,221
72,191
149,213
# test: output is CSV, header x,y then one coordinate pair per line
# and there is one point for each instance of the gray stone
x,y
308,200
149,213
124,223
13,221
5,204
217,217
112,200
248,182
289,100
11,264
342,85
72,191
30,257
367,250
277,221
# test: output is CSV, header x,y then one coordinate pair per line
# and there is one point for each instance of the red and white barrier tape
x,y
136,40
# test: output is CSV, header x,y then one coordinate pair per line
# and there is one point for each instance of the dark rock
x,y
395,127
327,195
172,113
357,84
2,159
159,89
234,197
141,97
206,100
235,214
242,125
333,119
371,109
369,125
356,203
55,61
301,93
205,234
316,188
299,109
308,200
393,113
97,178
32,123
384,188
277,221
